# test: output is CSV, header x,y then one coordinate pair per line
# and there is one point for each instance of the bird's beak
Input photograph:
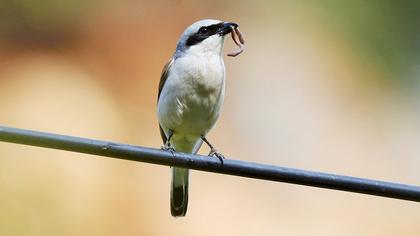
x,y
226,28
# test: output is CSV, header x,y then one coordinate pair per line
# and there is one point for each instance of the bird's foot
x,y
167,145
214,153
167,148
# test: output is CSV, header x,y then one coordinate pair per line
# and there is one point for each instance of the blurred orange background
x,y
323,85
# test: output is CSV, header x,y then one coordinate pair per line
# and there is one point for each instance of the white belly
x,y
191,99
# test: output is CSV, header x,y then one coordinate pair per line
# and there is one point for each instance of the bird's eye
x,y
203,30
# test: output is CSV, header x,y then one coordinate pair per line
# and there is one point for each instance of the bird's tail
x,y
180,176
179,191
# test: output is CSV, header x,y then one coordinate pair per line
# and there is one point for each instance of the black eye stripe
x,y
203,30
214,28
203,33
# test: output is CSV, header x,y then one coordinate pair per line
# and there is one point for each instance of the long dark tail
x,y
179,191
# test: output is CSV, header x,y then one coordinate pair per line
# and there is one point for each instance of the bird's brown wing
x,y
162,81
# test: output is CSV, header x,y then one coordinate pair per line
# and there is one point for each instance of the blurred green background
x,y
323,85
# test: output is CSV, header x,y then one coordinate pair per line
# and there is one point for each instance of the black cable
x,y
205,163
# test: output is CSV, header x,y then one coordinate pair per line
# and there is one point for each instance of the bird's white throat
x,y
211,46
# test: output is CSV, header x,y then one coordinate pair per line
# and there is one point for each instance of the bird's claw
x,y
167,148
215,153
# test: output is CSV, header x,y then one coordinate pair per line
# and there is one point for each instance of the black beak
x,y
226,28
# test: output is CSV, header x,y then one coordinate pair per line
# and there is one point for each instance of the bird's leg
x,y
167,145
213,151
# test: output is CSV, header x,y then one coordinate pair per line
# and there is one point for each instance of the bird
x,y
190,96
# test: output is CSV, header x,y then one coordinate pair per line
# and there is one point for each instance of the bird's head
x,y
204,37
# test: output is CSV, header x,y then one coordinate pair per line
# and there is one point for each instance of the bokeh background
x,y
323,85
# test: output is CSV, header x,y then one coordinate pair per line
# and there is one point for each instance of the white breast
x,y
192,96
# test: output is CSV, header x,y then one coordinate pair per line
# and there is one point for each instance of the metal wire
x,y
204,163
